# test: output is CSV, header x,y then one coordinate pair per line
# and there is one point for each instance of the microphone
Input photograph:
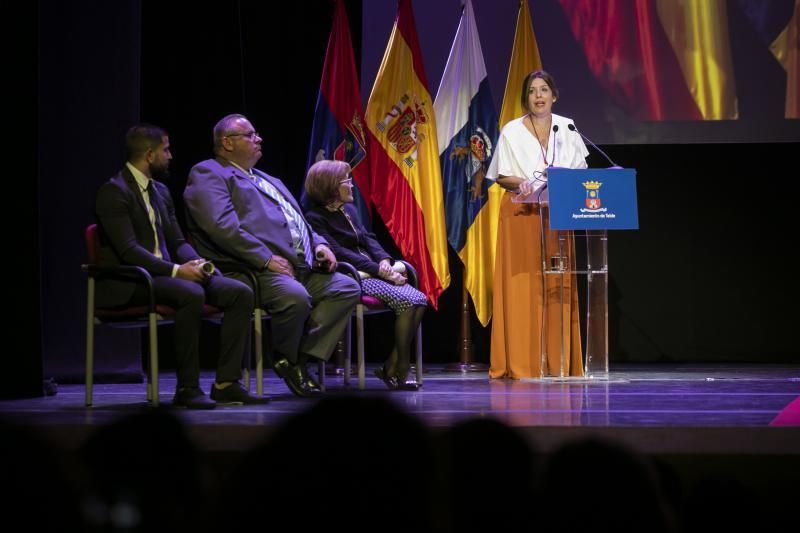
x,y
585,138
207,267
555,144
320,261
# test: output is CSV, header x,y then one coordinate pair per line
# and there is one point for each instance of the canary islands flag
x,y
467,125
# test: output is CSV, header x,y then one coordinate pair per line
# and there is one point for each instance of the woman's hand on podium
x,y
525,188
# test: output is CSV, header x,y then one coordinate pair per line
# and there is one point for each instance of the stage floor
x,y
662,409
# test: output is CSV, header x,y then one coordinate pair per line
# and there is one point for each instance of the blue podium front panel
x,y
592,198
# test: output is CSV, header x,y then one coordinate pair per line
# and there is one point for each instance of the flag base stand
x,y
465,367
465,364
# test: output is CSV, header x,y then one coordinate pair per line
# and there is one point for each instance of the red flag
x,y
339,131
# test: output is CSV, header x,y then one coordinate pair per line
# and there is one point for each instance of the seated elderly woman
x,y
330,186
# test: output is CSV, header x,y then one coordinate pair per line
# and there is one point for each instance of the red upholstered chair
x,y
369,305
149,316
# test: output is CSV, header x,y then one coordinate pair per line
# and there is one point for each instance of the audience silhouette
x,y
487,468
597,485
40,489
722,504
359,463
143,475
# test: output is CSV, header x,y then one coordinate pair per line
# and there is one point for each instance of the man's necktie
x,y
156,220
299,221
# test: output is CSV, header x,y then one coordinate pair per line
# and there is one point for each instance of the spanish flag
x,y
404,161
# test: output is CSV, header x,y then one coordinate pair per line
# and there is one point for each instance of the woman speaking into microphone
x,y
525,323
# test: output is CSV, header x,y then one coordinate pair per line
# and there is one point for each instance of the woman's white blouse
x,y
519,153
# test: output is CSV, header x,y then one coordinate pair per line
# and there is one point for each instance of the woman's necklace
x,y
543,146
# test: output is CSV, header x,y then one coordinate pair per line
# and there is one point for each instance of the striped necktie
x,y
300,223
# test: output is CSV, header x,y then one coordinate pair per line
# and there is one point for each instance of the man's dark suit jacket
x,y
127,236
231,218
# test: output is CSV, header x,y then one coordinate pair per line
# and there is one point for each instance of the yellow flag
x,y
524,59
698,33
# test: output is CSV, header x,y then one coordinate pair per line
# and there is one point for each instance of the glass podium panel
x,y
563,268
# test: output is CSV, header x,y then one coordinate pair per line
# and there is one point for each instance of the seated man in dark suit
x,y
137,224
243,214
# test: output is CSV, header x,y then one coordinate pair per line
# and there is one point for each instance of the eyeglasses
x,y
250,135
347,181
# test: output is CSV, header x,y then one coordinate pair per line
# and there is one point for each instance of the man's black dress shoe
x,y
293,376
310,381
235,394
192,398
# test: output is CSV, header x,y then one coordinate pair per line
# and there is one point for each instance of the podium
x,y
583,203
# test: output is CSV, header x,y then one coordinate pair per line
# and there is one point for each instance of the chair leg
x,y
248,363
258,345
152,387
362,374
418,342
89,341
348,351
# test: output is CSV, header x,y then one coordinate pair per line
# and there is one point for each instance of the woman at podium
x,y
531,328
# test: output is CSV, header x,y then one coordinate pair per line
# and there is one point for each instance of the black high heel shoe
x,y
408,385
390,381
404,384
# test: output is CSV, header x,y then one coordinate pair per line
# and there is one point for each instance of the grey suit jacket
x,y
127,237
231,218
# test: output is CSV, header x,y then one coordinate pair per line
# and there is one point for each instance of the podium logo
x,y
593,201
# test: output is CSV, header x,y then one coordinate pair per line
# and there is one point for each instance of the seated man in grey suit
x,y
137,224
238,212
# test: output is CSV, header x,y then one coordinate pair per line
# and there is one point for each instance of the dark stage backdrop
x,y
706,278
22,346
88,94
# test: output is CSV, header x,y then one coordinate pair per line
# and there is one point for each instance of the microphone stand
x,y
588,140
543,369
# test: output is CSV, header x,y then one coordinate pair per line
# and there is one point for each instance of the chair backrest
x,y
92,244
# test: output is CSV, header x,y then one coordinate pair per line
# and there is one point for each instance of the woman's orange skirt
x,y
517,327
